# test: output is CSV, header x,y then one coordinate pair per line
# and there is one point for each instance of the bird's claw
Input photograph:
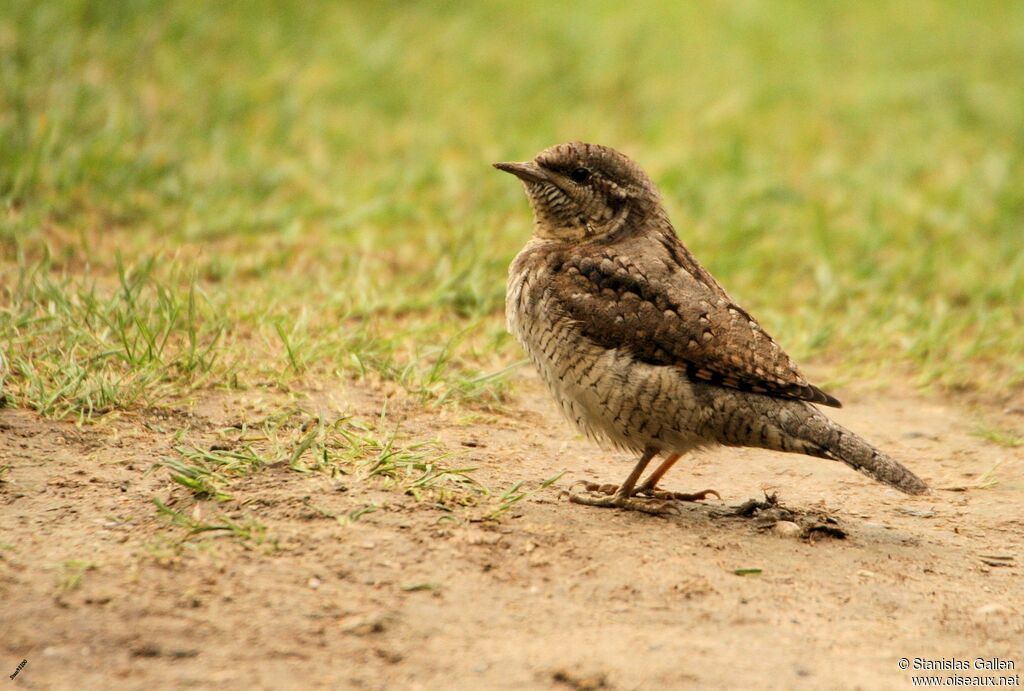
x,y
617,501
679,496
643,491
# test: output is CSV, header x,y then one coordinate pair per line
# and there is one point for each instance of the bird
x,y
641,347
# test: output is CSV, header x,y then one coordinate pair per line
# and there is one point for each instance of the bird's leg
x,y
649,487
623,496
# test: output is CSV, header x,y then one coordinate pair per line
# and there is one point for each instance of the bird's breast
x,y
608,395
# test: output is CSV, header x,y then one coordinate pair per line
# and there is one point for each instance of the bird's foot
x,y
651,492
678,496
598,487
615,500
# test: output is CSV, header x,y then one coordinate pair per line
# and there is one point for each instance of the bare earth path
x,y
98,590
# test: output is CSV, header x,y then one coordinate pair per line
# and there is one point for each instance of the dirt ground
x,y
98,590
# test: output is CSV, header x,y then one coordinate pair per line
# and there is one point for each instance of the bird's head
x,y
581,192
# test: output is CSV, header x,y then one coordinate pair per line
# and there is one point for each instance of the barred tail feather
x,y
826,439
857,453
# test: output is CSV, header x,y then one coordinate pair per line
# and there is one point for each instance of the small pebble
x,y
991,608
787,529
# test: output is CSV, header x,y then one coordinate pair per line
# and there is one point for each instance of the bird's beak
x,y
527,171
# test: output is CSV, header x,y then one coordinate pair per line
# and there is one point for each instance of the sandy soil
x,y
98,590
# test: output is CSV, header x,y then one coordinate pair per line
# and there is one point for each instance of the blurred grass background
x,y
270,194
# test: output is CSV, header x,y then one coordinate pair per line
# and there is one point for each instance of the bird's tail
x,y
826,439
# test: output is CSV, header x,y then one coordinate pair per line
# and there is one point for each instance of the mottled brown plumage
x,y
639,344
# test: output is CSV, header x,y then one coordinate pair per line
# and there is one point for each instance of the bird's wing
x,y
666,314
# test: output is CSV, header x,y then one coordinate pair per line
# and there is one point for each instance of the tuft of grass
x,y
1000,437
244,529
79,348
356,514
206,471
515,494
200,480
986,480
72,573
418,469
344,447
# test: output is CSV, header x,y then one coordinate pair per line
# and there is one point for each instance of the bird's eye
x,y
579,175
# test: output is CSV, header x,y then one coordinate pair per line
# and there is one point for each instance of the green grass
x,y
238,195
370,453
354,453
999,437
72,572
244,528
